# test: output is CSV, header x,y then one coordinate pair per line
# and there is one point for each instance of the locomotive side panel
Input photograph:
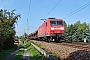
x,y
47,28
44,30
41,30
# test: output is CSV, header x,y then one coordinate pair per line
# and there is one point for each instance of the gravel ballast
x,y
64,52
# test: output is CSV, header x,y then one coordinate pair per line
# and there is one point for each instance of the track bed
x,y
66,51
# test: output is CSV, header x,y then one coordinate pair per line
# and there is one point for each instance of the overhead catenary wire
x,y
77,10
53,8
70,11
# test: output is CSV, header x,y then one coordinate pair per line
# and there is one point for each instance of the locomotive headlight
x,y
52,28
62,28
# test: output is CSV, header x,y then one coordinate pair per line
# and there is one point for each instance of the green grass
x,y
19,55
34,54
26,44
6,53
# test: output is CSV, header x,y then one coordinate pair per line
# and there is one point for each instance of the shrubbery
x,y
7,28
77,32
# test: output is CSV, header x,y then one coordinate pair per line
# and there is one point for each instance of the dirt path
x,y
26,55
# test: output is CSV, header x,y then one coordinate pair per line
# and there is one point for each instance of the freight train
x,y
51,30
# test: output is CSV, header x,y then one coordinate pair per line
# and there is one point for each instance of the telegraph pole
x,y
27,26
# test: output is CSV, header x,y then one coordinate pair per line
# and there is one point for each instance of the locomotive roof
x,y
52,19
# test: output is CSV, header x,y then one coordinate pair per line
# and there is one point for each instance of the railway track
x,y
84,46
79,45
67,51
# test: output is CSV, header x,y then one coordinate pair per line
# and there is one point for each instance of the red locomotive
x,y
51,29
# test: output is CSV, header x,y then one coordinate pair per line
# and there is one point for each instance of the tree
x,y
75,32
65,24
7,28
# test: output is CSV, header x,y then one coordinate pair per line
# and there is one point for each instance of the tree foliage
x,y
77,31
7,28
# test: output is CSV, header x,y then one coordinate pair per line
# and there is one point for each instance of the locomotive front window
x,y
59,23
56,23
53,22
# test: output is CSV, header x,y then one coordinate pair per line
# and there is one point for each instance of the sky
x,y
32,12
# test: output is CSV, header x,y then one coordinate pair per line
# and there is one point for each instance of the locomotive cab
x,y
51,29
57,29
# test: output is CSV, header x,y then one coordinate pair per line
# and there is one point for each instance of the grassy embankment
x,y
6,53
19,54
34,54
